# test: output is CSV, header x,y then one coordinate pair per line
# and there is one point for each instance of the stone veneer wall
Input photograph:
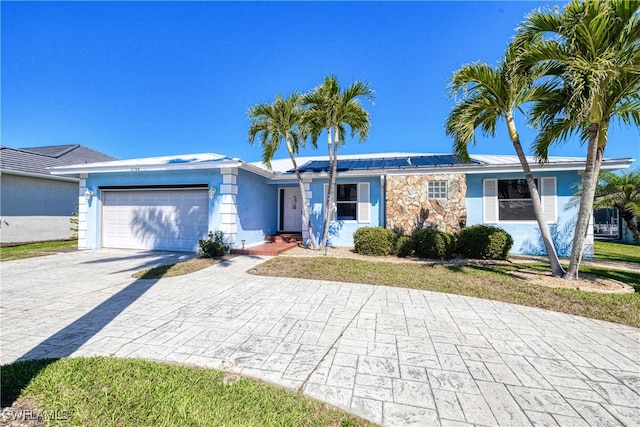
x,y
408,207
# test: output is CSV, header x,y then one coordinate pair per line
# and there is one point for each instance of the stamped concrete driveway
x,y
395,356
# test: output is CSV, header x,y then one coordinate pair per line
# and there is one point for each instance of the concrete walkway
x,y
395,356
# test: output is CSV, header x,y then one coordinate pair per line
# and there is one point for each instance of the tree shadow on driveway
x,y
70,338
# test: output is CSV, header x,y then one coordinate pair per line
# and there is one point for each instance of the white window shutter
x,y
549,199
364,203
490,200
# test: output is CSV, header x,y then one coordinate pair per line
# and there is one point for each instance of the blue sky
x,y
138,79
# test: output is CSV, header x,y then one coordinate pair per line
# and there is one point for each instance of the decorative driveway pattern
x,y
395,356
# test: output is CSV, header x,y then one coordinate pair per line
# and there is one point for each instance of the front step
x,y
273,246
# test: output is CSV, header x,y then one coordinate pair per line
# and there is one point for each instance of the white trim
x,y
490,214
363,214
549,198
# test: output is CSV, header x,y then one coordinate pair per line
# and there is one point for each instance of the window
x,y
514,200
510,200
352,202
347,201
437,190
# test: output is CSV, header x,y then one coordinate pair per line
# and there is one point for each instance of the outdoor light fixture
x,y
242,243
212,192
88,195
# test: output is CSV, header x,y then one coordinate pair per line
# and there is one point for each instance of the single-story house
x,y
35,205
171,202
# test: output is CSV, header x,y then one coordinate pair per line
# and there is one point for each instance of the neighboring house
x,y
607,226
171,202
35,205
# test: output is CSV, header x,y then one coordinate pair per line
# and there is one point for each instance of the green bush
x,y
403,246
373,241
430,243
484,242
214,246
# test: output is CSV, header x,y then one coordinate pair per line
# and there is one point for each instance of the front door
x,y
290,210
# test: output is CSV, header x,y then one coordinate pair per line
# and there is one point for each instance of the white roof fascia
x,y
38,175
130,167
257,170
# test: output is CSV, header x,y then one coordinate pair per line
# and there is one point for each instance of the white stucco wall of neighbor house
x,y
36,209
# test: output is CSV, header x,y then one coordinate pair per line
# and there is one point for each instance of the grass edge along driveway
x,y
104,391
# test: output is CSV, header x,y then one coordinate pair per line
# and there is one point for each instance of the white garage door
x,y
155,219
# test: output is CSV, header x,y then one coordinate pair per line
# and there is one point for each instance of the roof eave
x,y
87,169
38,175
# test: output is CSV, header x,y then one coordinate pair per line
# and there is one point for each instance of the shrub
x,y
403,246
430,243
373,241
484,242
214,246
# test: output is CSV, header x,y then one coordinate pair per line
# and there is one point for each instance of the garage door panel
x,y
171,220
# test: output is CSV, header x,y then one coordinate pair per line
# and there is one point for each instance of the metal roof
x,y
38,160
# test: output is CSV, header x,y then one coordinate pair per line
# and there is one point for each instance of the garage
x,y
162,219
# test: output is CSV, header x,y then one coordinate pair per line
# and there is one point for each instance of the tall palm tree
x,y
621,192
594,49
274,123
487,95
332,109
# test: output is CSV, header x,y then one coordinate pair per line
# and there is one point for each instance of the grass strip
x,y
101,391
10,253
179,268
615,251
489,282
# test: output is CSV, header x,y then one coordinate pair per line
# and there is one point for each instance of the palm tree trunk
x,y
589,181
306,216
328,209
629,219
556,268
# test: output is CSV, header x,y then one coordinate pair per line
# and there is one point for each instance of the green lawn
x,y
617,251
103,391
489,282
34,249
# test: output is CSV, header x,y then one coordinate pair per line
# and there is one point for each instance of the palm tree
x,y
333,109
488,95
593,48
621,192
277,122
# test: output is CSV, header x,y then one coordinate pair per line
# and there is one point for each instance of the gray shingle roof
x,y
37,159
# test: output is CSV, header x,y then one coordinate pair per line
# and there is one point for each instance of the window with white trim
x,y
352,202
437,189
347,202
510,200
514,200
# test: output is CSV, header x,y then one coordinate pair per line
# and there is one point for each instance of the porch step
x,y
267,249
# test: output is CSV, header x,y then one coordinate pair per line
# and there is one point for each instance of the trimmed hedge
x,y
484,242
403,246
430,243
373,241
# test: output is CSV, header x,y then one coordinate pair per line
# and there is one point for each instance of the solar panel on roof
x,y
385,163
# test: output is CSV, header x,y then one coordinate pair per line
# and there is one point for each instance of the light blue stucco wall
x,y
257,203
341,232
526,234
210,177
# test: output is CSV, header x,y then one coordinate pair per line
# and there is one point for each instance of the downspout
x,y
383,200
